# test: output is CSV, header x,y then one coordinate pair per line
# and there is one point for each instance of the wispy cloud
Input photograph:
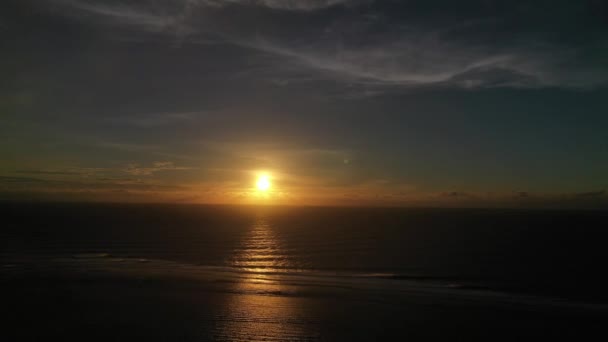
x,y
299,5
156,119
364,48
49,172
162,15
420,58
82,172
371,49
289,5
121,13
138,170
592,194
43,184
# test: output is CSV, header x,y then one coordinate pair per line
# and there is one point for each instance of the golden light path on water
x,y
261,307
260,250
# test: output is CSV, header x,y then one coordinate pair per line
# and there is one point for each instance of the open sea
x,y
194,272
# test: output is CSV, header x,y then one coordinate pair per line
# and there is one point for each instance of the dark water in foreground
x,y
243,273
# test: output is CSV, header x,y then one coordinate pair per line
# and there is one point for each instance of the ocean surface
x,y
300,273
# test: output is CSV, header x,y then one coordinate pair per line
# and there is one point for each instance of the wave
x,y
277,281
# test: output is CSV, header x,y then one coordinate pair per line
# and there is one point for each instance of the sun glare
x,y
263,182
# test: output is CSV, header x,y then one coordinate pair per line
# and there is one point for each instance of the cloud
x,y
156,119
49,172
42,184
82,172
138,149
122,13
136,169
19,180
422,58
592,194
374,192
162,15
290,5
381,47
458,195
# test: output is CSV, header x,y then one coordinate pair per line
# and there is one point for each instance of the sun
x,y
263,182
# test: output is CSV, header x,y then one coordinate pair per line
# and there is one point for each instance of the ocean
x,y
202,272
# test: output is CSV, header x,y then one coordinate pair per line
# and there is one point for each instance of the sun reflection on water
x,y
261,251
262,307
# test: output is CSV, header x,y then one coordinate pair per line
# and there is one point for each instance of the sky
x,y
342,102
